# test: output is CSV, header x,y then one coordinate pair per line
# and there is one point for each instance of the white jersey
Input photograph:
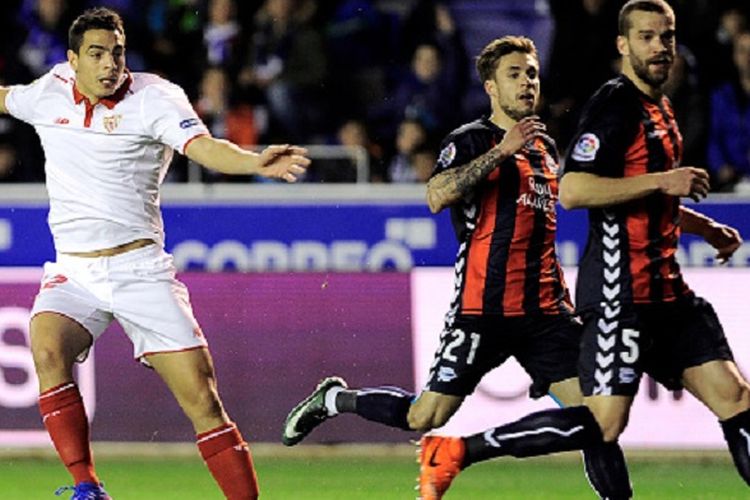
x,y
104,164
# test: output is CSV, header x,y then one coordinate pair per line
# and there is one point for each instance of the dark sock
x,y
607,471
346,401
737,434
539,433
386,405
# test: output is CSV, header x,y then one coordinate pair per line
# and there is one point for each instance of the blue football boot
x,y
85,491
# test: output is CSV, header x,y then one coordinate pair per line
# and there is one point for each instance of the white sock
x,y
331,400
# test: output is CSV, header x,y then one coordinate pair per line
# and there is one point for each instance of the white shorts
x,y
137,288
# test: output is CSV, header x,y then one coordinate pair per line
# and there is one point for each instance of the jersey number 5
x,y
630,341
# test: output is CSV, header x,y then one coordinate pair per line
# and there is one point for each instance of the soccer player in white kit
x,y
108,137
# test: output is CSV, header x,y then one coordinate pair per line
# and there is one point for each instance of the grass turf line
x,y
317,477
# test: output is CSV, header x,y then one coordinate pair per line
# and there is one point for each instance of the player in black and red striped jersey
x,y
505,224
498,175
639,315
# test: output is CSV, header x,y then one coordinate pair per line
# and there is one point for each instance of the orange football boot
x,y
440,461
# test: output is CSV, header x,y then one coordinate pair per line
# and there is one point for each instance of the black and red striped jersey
x,y
631,248
506,262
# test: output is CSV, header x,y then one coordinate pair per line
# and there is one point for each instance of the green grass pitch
x,y
299,475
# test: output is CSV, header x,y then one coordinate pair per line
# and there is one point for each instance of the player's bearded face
x,y
99,63
517,82
653,70
651,47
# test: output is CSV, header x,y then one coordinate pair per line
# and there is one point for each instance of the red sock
x,y
228,458
65,419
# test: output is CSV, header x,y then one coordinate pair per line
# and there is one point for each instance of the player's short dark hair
x,y
488,59
97,18
658,6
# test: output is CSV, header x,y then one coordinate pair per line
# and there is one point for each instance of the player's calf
x,y
540,433
737,434
607,472
386,405
64,417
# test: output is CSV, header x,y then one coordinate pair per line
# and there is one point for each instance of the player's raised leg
x,y
441,458
387,405
56,342
190,376
721,387
540,433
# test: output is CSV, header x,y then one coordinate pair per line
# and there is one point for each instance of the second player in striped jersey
x,y
498,175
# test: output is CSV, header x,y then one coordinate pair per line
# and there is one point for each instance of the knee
x,y
55,343
421,421
744,397
612,426
425,419
611,418
741,395
727,398
48,358
736,399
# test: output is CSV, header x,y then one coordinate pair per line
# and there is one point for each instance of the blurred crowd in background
x,y
390,76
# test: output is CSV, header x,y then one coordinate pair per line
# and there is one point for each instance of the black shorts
x,y
621,344
546,346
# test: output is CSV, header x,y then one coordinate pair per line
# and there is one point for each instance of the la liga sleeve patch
x,y
447,155
586,148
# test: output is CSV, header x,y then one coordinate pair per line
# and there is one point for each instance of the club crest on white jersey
x,y
111,122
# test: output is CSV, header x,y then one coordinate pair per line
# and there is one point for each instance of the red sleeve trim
x,y
187,143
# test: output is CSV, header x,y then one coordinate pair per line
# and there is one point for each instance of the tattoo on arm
x,y
453,184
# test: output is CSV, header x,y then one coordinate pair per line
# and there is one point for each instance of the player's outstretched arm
x,y
3,94
586,190
276,162
725,239
450,186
